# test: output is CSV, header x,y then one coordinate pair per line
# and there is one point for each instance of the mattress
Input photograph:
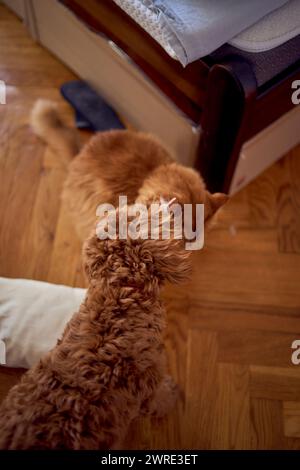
x,y
191,29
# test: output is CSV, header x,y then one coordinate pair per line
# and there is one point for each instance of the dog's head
x,y
136,259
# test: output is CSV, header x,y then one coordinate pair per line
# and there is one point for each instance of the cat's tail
x,y
49,126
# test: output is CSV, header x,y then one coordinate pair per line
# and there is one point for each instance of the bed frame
x,y
232,94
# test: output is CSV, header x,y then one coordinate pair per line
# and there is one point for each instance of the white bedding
x,y
271,31
33,315
191,29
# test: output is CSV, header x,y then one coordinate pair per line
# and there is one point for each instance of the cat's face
x,y
182,183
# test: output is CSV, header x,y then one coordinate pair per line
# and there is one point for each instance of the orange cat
x,y
116,163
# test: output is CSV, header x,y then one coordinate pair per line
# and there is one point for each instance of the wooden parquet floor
x,y
230,328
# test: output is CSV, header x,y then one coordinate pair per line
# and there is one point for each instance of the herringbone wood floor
x,y
230,329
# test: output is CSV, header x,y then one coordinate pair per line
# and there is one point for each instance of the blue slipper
x,y
91,111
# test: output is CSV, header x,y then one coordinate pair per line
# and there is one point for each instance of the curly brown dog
x,y
109,367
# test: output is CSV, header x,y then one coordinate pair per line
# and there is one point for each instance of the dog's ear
x,y
93,256
98,247
170,260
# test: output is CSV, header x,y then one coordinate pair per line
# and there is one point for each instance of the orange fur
x,y
127,163
110,364
48,125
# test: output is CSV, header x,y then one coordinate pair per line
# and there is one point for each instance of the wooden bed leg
x,y
227,112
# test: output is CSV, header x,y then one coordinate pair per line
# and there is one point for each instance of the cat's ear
x,y
218,200
215,201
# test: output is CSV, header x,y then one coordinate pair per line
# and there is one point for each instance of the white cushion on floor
x,y
33,315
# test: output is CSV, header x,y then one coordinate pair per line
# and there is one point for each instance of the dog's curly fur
x,y
110,365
